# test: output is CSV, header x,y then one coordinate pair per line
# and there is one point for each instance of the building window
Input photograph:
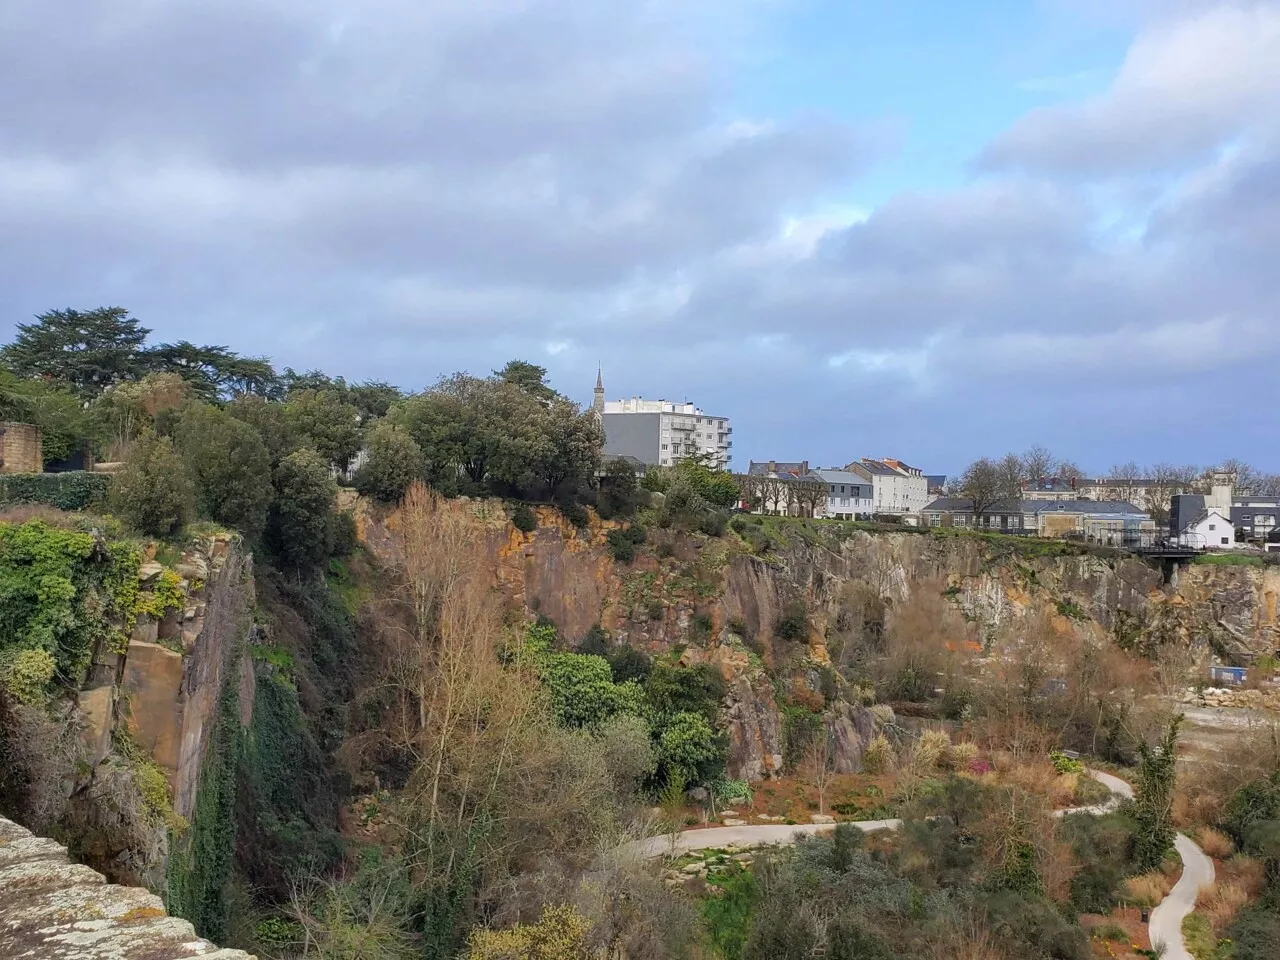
x,y
1213,526
1225,540
664,446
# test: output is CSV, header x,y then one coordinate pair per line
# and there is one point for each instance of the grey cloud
x,y
398,189
1189,80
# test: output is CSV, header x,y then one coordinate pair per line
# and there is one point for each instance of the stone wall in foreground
x,y
52,909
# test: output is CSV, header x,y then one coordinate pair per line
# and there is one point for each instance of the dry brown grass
x,y
1147,889
961,756
37,511
1246,872
1220,904
1216,843
1037,779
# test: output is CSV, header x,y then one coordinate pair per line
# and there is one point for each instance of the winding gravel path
x,y
1166,919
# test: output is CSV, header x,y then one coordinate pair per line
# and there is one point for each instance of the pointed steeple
x,y
597,404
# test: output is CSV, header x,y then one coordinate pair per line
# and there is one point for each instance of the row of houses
x,y
1219,519
863,488
1109,522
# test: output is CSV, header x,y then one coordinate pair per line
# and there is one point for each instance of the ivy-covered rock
x,y
62,592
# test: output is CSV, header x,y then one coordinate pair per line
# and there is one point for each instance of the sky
x,y
925,230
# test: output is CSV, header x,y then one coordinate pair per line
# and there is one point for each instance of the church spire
x,y
597,405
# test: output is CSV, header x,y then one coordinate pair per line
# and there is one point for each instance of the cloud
x,y
1186,83
434,160
401,189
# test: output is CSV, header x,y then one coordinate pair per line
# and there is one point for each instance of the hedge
x,y
74,490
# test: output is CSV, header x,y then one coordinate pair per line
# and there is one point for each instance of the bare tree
x,y
1011,476
1245,477
810,495
983,484
753,489
1124,479
1069,470
1167,480
1037,462
817,766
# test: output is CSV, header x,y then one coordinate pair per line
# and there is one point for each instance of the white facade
x,y
1213,531
847,494
899,489
684,430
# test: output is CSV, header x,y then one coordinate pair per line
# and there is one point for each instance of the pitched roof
x,y
833,475
877,467
1118,508
762,469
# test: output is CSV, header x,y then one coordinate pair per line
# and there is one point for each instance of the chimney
x,y
773,466
804,468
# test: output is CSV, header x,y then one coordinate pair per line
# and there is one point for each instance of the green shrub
x,y
395,461
576,514
27,675
523,519
62,592
713,523
628,663
1064,764
1255,933
687,743
582,690
793,622
74,490
153,493
621,547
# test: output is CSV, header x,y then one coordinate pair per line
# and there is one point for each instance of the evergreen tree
x,y
230,466
1153,798
86,350
395,461
301,519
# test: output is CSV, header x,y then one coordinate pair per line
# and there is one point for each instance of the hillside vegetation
x,y
421,716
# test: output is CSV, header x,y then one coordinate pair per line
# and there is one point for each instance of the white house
x,y
900,489
848,494
1211,530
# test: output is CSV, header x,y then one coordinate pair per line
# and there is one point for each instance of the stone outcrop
x,y
172,685
52,909
163,693
708,595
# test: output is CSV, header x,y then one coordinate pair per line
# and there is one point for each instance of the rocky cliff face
x,y
706,596
145,713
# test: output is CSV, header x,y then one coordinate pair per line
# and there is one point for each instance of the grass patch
x,y
1199,938
1229,560
728,914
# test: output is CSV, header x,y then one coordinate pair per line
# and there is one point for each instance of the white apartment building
x,y
848,495
661,432
899,489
